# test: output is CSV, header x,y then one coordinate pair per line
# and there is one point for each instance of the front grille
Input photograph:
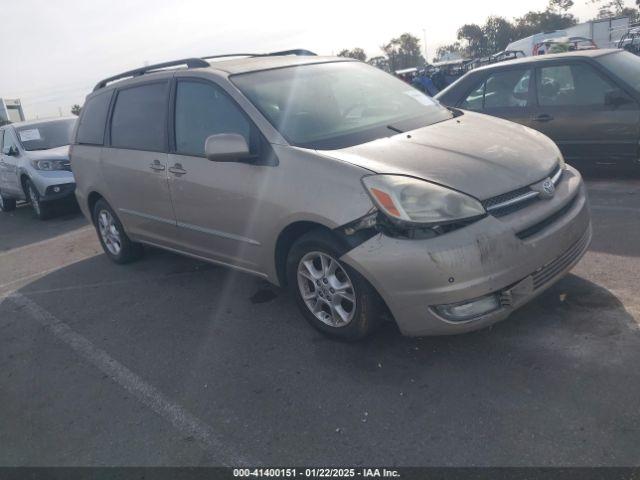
x,y
510,202
538,227
505,197
551,270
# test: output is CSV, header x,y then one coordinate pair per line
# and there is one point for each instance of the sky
x,y
59,49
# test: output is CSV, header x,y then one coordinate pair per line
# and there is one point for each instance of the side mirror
x,y
226,147
616,98
12,152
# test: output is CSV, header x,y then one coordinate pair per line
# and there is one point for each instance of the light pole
x,y
424,34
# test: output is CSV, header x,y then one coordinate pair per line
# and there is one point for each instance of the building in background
x,y
605,33
11,110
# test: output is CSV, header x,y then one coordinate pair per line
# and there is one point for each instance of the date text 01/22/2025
x,y
315,473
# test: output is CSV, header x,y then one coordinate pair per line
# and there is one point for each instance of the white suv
x,y
34,164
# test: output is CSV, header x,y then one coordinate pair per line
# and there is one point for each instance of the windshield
x,y
46,135
625,65
336,105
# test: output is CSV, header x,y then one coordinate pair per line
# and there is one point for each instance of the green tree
x,y
475,39
560,7
498,33
75,110
380,62
545,21
356,53
614,8
403,52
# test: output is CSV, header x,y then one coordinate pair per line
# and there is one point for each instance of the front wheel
x,y
115,242
332,296
40,209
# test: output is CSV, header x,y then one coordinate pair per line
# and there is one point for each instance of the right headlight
x,y
49,164
410,200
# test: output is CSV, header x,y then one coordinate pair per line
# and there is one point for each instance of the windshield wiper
x,y
395,129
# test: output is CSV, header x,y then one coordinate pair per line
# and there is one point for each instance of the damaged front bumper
x,y
487,259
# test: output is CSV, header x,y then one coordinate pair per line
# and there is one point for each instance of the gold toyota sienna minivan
x,y
362,195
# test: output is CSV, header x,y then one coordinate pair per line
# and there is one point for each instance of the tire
x,y
348,319
41,210
115,242
7,204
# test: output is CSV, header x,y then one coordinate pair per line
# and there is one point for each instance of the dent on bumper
x,y
487,257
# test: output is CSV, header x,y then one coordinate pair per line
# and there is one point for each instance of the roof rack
x,y
209,57
299,52
189,62
194,63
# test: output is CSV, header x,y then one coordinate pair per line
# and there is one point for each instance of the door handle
x,y
177,169
543,118
157,166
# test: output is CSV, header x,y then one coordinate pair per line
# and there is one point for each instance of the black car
x,y
588,102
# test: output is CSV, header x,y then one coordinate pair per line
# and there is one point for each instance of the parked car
x,y
329,176
34,164
563,44
630,41
588,102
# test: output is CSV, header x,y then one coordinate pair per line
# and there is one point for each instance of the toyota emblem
x,y
548,189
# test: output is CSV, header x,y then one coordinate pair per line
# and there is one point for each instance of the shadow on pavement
x,y
20,227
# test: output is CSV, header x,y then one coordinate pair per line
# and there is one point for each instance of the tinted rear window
x,y
139,115
93,119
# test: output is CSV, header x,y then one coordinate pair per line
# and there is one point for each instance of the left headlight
x,y
410,200
49,164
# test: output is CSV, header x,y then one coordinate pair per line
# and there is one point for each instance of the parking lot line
x,y
182,420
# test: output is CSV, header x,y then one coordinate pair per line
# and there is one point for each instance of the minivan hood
x,y
476,154
58,153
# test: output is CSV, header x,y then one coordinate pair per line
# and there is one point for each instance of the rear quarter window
x,y
93,118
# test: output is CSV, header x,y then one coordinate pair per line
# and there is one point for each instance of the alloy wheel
x,y
326,289
109,232
33,198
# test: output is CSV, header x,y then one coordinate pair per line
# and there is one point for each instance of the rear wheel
x,y
7,204
41,209
115,242
332,296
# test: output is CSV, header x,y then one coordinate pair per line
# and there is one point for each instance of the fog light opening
x,y
460,312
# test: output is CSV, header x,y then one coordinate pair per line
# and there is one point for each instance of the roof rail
x,y
209,57
189,62
194,63
298,51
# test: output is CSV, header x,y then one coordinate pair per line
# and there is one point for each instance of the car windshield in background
x,y
625,65
336,105
46,135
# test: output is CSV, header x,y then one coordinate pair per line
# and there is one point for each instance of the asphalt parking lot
x,y
171,361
